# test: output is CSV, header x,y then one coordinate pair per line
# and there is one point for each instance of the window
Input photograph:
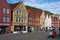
x,y
3,19
30,23
23,13
16,11
7,19
19,10
4,10
7,11
17,19
23,20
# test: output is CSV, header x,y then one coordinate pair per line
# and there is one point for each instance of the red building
x,y
37,20
59,22
30,19
55,21
5,17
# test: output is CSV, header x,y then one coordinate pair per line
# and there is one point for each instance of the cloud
x,y
50,5
13,1
53,7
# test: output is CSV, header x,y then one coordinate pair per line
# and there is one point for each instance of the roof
x,y
33,8
14,5
49,13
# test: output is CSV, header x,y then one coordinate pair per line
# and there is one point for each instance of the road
x,y
27,36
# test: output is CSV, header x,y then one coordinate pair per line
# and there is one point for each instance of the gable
x,y
15,6
31,13
42,15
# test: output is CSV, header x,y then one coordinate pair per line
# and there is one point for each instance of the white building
x,y
48,21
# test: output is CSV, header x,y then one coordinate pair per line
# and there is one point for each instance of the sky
x,y
49,5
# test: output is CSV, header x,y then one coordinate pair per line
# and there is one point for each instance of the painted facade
x,y
19,17
42,20
31,18
37,20
5,17
55,21
48,21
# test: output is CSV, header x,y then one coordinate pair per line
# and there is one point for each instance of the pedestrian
x,y
50,34
54,34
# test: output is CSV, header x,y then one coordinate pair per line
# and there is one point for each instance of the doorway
x,y
3,29
19,28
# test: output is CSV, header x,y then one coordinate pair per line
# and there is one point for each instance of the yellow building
x,y
42,21
19,17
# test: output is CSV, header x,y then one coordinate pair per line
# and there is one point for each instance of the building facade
x,y
55,21
31,18
5,17
19,17
37,20
48,22
42,21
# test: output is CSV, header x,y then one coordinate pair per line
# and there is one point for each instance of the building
x,y
55,21
5,17
34,17
48,22
19,17
59,21
31,18
38,14
42,21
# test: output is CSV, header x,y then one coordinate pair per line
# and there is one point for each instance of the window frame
x,y
3,10
7,11
3,20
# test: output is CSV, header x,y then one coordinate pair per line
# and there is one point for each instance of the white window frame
x,y
4,10
7,11
3,19
7,19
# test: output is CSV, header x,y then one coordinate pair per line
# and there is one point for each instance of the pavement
x,y
27,36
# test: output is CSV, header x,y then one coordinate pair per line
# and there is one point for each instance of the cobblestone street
x,y
27,36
